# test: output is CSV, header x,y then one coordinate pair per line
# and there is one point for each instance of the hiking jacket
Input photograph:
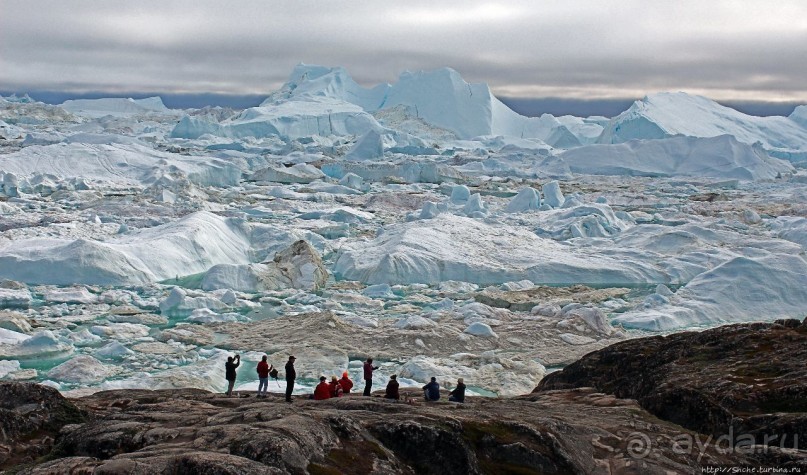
x,y
392,390
458,392
432,390
368,371
229,368
335,388
263,369
291,375
322,391
346,384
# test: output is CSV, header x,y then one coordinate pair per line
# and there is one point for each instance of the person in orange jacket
x,y
336,389
323,390
345,383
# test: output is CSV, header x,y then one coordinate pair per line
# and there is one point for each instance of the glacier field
x,y
422,223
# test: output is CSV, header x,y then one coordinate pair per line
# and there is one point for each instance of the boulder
x,y
31,415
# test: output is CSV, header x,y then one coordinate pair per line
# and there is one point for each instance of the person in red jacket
x,y
323,390
345,383
263,370
336,389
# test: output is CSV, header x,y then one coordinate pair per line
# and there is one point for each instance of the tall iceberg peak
x,y
442,98
327,101
312,82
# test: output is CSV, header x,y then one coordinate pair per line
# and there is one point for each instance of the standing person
x,y
291,375
323,390
345,383
458,393
336,389
368,376
431,391
392,388
229,372
263,370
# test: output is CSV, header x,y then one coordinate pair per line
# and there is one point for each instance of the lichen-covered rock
x,y
740,379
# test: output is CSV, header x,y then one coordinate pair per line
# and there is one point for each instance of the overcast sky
x,y
592,49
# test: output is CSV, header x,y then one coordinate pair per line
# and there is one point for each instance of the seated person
x,y
335,387
458,394
392,388
431,391
345,383
323,390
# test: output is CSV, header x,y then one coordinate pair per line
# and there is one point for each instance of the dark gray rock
x,y
736,379
192,431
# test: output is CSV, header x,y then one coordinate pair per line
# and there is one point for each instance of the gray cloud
x,y
745,50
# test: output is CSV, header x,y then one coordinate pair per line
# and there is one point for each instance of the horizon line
x,y
531,106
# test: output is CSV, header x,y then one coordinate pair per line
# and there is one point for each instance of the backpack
x,y
273,373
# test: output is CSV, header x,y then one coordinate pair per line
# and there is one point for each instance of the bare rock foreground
x,y
708,384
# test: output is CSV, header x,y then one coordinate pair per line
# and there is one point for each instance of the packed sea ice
x,y
421,223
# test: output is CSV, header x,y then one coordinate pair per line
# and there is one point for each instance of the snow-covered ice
x,y
422,222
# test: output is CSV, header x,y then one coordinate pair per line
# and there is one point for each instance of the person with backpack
x,y
368,376
291,375
392,388
323,390
229,372
336,389
263,370
458,393
346,383
431,391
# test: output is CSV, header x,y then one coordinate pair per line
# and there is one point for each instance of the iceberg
x,y
82,369
188,246
668,114
742,289
117,164
720,157
323,101
113,106
450,247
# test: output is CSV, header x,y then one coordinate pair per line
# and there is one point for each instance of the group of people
x,y
336,387
431,391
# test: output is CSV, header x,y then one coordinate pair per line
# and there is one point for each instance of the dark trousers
x,y
368,386
289,389
230,384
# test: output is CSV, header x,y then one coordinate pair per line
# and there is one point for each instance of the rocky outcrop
x,y
30,417
745,381
193,431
